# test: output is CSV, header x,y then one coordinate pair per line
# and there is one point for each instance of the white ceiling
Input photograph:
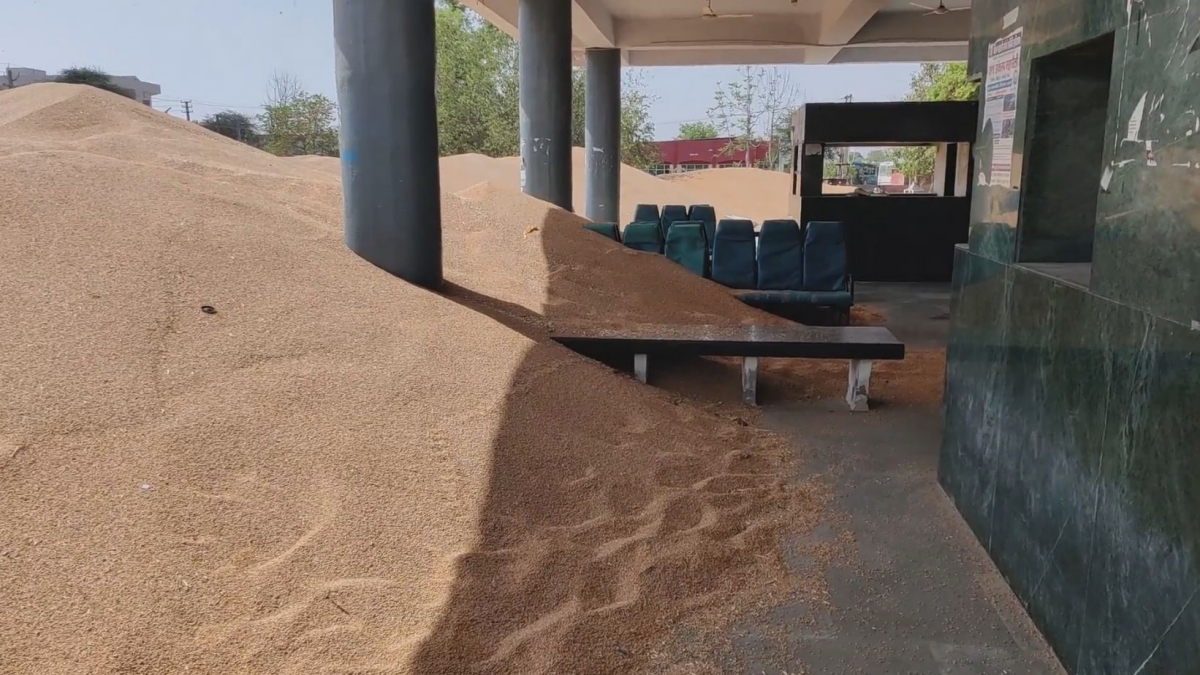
x,y
674,32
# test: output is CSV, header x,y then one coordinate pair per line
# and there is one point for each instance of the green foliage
x,y
878,156
637,131
737,109
759,97
942,82
933,82
914,161
233,125
478,91
780,156
93,77
477,85
694,131
301,124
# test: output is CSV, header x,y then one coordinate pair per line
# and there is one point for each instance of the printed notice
x,y
1000,104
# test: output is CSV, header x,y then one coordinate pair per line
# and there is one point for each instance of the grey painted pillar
x,y
386,94
602,135
545,72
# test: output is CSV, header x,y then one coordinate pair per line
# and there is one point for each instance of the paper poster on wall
x,y
1000,103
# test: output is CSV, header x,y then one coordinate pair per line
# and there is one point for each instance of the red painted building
x,y
706,153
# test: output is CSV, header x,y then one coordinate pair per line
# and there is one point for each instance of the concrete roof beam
x,y
592,24
754,32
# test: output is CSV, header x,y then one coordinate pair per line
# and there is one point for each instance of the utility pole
x,y
9,78
187,110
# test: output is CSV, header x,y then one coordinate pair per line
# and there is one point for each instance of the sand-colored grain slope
x,y
331,470
753,193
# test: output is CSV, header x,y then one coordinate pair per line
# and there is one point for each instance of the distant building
x,y
707,153
135,88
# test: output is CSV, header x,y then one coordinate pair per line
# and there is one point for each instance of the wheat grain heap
x,y
228,444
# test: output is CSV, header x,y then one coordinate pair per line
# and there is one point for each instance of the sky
x,y
220,53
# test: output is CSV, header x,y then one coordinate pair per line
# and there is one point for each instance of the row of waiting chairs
x,y
783,265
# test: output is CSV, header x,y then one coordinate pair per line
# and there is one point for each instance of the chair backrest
x,y
646,213
733,254
687,245
780,256
609,230
825,256
672,213
643,236
703,213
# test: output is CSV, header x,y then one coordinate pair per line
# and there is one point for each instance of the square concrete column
x,y
602,134
544,28
386,73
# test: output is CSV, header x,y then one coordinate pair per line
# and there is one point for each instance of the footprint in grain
x,y
327,511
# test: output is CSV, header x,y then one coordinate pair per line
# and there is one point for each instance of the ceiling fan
x,y
940,9
709,13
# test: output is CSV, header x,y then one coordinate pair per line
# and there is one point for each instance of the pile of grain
x,y
460,172
751,193
227,444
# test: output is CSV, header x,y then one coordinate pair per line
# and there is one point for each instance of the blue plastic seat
x,y
609,230
825,257
686,244
733,254
703,213
672,213
643,236
646,213
780,256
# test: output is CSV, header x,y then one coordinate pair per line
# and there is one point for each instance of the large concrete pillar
x,y
545,72
386,94
602,134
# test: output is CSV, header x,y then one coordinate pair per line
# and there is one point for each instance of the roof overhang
x,y
675,32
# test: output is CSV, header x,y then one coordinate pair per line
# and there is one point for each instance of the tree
x,y
879,155
301,126
694,131
758,96
942,82
478,91
477,85
283,88
737,109
93,77
781,142
233,125
638,148
637,131
933,82
779,98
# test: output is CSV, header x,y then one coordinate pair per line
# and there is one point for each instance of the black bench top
x,y
814,342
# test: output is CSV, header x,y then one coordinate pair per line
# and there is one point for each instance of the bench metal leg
x,y
750,380
639,367
859,385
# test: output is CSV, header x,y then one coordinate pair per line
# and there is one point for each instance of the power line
x,y
210,105
187,110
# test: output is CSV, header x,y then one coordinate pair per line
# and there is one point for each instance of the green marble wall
x,y
1067,128
1146,250
1072,444
1072,449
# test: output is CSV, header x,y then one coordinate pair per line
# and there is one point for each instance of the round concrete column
x,y
388,111
545,73
602,132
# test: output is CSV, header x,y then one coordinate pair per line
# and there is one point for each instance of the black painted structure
x,y
814,342
892,237
1072,443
